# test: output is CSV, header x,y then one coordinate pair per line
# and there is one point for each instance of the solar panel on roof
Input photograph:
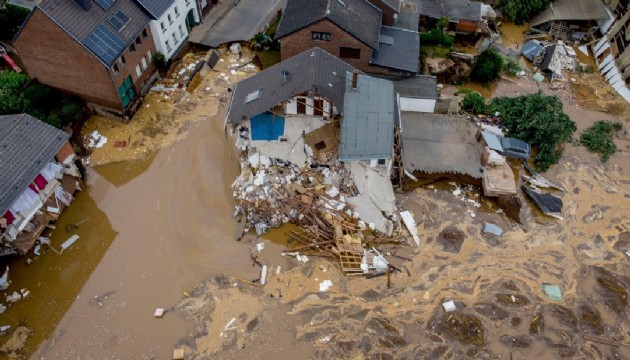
x,y
105,4
118,20
104,44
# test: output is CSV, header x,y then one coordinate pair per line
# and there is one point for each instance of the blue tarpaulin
x,y
267,126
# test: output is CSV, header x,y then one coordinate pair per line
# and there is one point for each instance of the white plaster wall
x,y
417,105
171,27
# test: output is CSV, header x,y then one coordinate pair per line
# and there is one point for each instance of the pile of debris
x,y
270,192
554,58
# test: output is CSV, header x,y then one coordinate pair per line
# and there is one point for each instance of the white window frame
x,y
138,71
144,63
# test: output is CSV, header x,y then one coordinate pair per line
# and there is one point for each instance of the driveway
x,y
235,20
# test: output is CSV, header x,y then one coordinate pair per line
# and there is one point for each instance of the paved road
x,y
235,20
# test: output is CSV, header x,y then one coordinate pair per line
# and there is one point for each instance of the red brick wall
x,y
136,59
301,41
65,152
388,12
57,60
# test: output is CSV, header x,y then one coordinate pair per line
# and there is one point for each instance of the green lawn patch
x,y
435,51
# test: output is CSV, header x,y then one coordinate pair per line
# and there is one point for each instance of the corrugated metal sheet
x,y
26,146
367,127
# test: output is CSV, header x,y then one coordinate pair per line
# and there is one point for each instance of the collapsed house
x,y
38,178
573,21
553,58
317,150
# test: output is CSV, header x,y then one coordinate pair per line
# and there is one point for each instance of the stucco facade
x,y
171,28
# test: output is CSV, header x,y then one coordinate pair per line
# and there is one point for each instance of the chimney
x,y
355,78
84,4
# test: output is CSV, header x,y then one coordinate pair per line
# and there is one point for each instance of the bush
x,y
520,11
511,66
474,103
10,82
436,36
11,18
598,138
488,67
160,61
538,120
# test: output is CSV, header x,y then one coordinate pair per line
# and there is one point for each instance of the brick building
x,y
390,10
351,30
99,50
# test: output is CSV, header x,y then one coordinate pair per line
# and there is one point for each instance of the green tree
x,y
474,103
10,82
160,61
520,11
598,138
538,120
488,67
11,18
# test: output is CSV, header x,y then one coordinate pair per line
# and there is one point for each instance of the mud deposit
x,y
495,282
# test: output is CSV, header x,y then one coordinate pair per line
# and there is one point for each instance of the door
x,y
126,92
318,107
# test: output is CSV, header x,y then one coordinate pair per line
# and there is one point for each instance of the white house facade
x,y
171,23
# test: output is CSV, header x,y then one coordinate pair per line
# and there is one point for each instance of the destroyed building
x,y
352,30
316,137
612,52
37,180
573,21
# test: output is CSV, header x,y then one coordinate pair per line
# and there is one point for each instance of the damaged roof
x,y
532,49
398,49
440,144
572,10
452,9
26,146
106,33
359,18
367,127
421,86
314,69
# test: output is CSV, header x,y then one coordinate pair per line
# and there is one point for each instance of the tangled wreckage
x,y
318,145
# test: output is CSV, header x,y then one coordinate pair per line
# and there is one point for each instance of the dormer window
x,y
252,96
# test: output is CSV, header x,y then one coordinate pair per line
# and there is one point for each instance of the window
x,y
115,69
170,19
381,162
174,38
255,95
323,36
138,71
144,34
187,2
144,63
181,31
122,61
176,12
126,91
349,53
149,55
168,45
138,41
132,48
163,27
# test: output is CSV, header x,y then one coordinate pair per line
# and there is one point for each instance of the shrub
x,y
160,61
10,82
488,67
538,120
474,103
520,11
11,18
598,138
511,66
436,37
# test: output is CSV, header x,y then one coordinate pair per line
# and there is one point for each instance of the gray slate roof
x,y
156,7
532,49
452,9
439,144
398,49
80,23
26,146
421,86
357,17
314,69
572,10
367,127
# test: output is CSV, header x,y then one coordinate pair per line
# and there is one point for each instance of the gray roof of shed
x,y
452,9
26,146
156,7
359,18
439,144
421,86
532,49
572,10
79,23
403,52
314,69
367,127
